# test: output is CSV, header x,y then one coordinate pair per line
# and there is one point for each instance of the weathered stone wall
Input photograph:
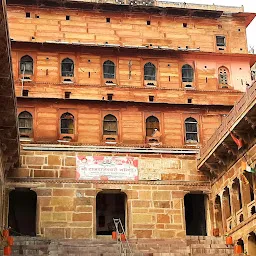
x,y
67,208
232,223
154,209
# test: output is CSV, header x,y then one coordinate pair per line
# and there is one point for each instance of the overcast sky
x,y
249,5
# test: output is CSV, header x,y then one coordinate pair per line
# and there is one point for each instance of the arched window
x,y
26,65
67,123
109,69
110,125
152,123
67,67
187,73
191,130
223,76
25,123
149,71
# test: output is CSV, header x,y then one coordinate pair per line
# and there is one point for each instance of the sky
x,y
249,6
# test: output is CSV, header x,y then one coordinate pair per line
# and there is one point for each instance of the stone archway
x,y
195,214
109,205
22,212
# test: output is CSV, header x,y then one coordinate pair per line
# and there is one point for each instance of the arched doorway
x,y
109,205
252,244
195,214
22,212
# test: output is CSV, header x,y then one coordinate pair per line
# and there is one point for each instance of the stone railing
x,y
251,208
240,107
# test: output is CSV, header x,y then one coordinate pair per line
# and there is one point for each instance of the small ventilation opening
x,y
151,98
185,25
190,101
67,138
108,20
109,82
67,95
67,80
148,22
37,16
110,96
27,14
25,93
67,17
188,86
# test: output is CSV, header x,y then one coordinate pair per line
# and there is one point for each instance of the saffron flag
x,y
246,167
239,142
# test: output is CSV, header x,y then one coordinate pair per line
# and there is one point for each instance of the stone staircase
x,y
191,246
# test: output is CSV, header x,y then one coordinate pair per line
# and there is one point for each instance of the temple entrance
x,y
195,214
22,212
109,205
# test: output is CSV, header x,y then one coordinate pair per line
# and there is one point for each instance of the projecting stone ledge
x,y
168,4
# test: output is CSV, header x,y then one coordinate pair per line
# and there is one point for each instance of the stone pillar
x,y
218,214
234,196
246,197
226,211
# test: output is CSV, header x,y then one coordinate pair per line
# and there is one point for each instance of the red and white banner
x,y
106,168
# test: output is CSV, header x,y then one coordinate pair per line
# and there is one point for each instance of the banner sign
x,y
106,168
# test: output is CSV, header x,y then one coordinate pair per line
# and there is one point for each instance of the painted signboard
x,y
106,168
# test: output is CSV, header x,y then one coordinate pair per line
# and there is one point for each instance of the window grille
x,y
149,71
110,125
67,123
109,69
25,123
223,75
221,41
152,123
67,67
26,65
191,130
187,73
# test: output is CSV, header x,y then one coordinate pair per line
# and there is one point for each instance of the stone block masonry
x,y
66,208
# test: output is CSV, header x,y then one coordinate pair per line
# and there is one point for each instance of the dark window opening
x,y
195,214
27,14
151,98
22,212
26,65
191,130
110,97
221,41
185,25
67,124
67,17
25,121
108,20
89,74
152,123
67,67
150,72
67,95
110,125
189,100
148,22
109,206
109,69
187,73
25,93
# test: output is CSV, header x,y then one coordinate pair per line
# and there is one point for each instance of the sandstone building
x,y
116,99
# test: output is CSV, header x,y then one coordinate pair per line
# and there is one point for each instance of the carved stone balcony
x,y
220,152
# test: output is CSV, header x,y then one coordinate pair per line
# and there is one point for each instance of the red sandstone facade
x,y
90,76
